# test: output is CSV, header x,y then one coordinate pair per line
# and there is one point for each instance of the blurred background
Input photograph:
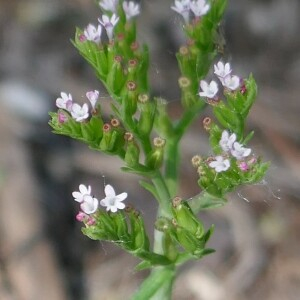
x,y
43,254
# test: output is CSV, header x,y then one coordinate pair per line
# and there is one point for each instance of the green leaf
x,y
205,201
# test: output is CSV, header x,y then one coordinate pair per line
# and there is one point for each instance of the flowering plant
x,y
143,135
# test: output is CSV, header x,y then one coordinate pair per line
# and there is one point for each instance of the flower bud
x,y
155,158
196,160
112,140
207,123
186,218
132,153
116,78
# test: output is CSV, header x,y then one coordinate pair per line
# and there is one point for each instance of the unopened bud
x,y
118,58
159,142
115,122
207,123
128,136
176,201
183,50
143,98
184,82
106,127
134,46
132,63
196,160
131,85
200,171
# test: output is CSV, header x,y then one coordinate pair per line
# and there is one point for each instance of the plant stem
x,y
163,193
158,285
172,147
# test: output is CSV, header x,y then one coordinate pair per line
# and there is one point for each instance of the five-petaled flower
x,y
131,9
227,141
208,90
80,113
199,7
232,82
83,190
65,101
93,33
239,151
220,164
109,24
183,8
89,204
93,97
222,70
113,202
109,5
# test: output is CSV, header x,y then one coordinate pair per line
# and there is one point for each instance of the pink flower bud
x,y
81,216
62,118
243,166
91,221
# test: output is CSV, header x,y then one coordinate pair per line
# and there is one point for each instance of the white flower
x,y
231,82
80,113
222,70
93,33
208,90
93,97
113,202
109,5
220,164
89,204
227,141
131,9
183,8
65,102
239,152
109,24
83,190
199,7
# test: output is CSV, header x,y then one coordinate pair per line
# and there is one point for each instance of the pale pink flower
x,y
93,97
239,151
183,8
89,204
227,141
208,90
65,101
220,164
232,82
80,113
222,70
109,5
113,202
83,190
109,24
131,9
93,33
199,7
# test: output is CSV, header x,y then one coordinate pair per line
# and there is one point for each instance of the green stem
x,y
158,285
163,193
172,147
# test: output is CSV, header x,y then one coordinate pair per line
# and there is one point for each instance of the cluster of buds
x,y
230,82
78,112
199,8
